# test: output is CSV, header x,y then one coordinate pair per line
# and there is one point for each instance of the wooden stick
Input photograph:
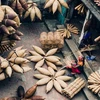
x,y
92,82
98,89
98,75
92,86
92,78
95,76
95,88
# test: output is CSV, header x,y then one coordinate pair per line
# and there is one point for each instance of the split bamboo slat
x,y
73,88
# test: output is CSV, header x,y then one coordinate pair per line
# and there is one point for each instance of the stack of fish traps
x,y
51,40
9,23
73,88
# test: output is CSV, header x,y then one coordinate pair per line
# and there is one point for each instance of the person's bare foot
x,y
73,73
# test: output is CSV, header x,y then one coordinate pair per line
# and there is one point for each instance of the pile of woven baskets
x,y
51,40
9,23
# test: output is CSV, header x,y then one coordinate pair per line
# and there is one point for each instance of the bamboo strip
x,y
95,76
98,75
91,78
96,91
92,82
95,88
94,79
92,86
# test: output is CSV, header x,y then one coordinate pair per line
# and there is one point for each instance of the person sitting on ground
x,y
81,62
74,68
78,66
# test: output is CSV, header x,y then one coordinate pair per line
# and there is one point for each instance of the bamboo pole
x,y
96,91
82,32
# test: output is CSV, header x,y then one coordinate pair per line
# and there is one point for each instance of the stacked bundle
x,y
81,9
5,69
30,8
53,5
15,61
51,40
66,32
52,78
39,56
32,11
18,61
94,82
74,87
8,28
19,6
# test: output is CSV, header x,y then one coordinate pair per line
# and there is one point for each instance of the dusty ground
x,y
8,87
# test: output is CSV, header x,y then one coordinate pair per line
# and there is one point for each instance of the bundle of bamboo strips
x,y
72,28
66,32
94,82
74,87
33,11
55,5
81,9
